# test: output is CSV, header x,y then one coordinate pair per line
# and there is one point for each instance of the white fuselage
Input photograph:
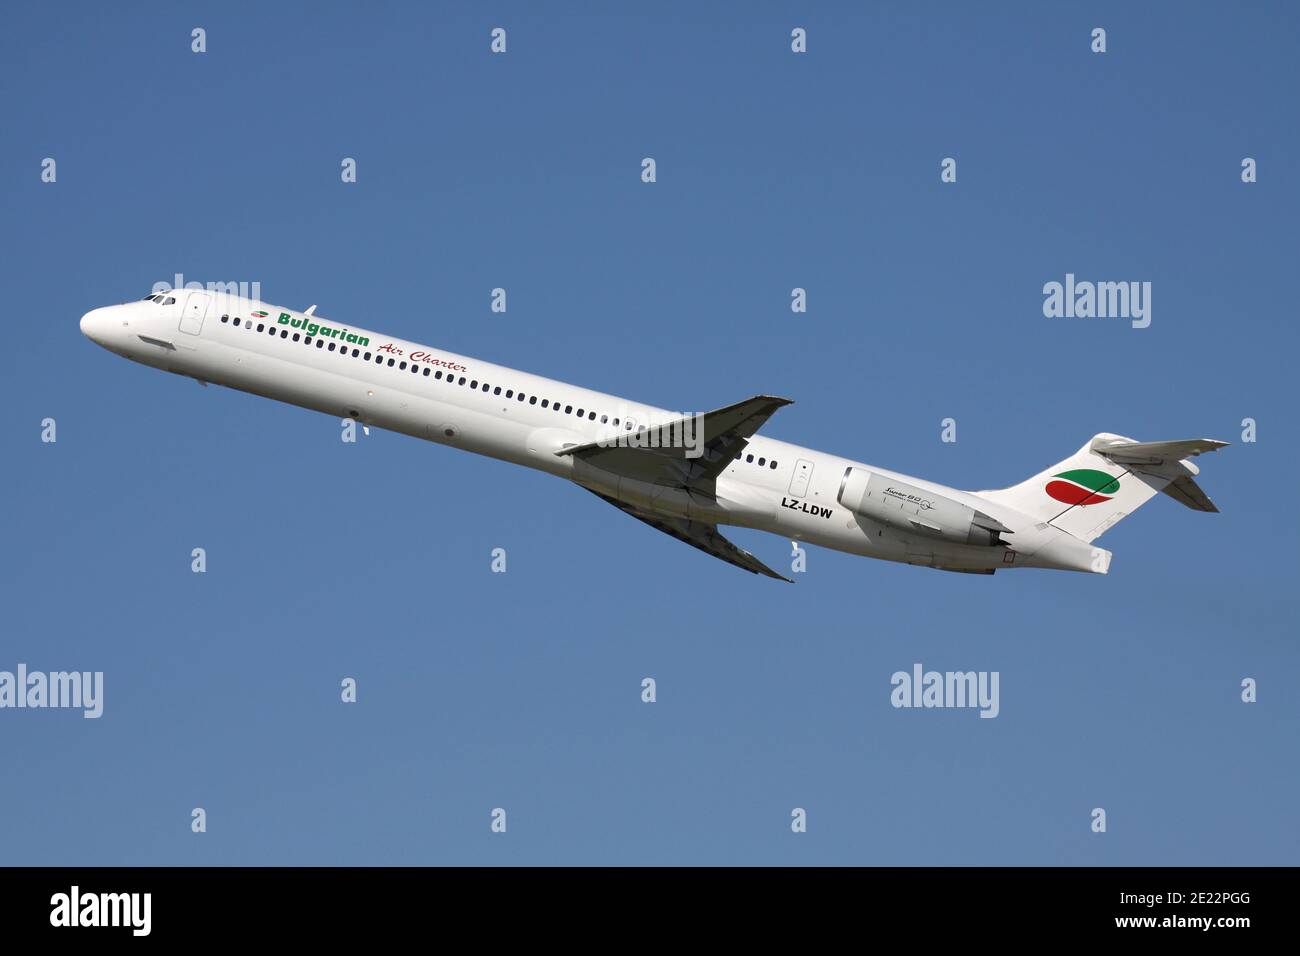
x,y
525,419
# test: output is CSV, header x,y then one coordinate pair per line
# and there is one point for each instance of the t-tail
x,y
1108,479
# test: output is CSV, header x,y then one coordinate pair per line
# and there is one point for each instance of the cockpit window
x,y
167,301
150,297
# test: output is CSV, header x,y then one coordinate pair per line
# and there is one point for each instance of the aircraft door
x,y
194,312
802,475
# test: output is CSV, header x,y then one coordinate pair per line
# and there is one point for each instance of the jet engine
x,y
909,508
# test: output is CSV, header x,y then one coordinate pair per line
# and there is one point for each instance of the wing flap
x,y
701,535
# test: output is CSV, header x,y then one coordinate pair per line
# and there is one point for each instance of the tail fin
x,y
1108,479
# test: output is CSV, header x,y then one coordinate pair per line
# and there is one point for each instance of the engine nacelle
x,y
912,509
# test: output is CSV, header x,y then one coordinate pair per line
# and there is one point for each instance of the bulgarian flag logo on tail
x,y
1082,486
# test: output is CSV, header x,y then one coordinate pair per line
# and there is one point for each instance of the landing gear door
x,y
194,312
802,474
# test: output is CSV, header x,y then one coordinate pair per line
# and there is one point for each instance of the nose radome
x,y
94,324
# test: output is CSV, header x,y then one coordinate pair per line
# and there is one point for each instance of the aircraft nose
x,y
94,325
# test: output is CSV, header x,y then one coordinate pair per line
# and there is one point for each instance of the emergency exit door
x,y
194,312
802,474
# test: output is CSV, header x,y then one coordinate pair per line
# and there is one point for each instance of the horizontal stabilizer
x,y
1186,491
1153,452
1167,459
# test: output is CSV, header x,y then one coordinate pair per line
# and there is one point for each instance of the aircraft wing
x,y
699,534
718,436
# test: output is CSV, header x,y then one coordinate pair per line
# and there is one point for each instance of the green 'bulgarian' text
x,y
324,331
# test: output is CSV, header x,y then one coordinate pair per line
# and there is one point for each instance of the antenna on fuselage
x,y
311,309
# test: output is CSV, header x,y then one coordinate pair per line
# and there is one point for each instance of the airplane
x,y
684,475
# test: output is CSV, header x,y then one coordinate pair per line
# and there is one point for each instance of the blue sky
x,y
522,690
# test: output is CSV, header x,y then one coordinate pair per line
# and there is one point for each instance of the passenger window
x,y
545,404
225,318
532,400
438,374
284,333
773,464
392,362
295,336
581,413
427,370
366,357
236,320
762,462
510,393
749,459
474,384
497,390
568,409
462,380
260,327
